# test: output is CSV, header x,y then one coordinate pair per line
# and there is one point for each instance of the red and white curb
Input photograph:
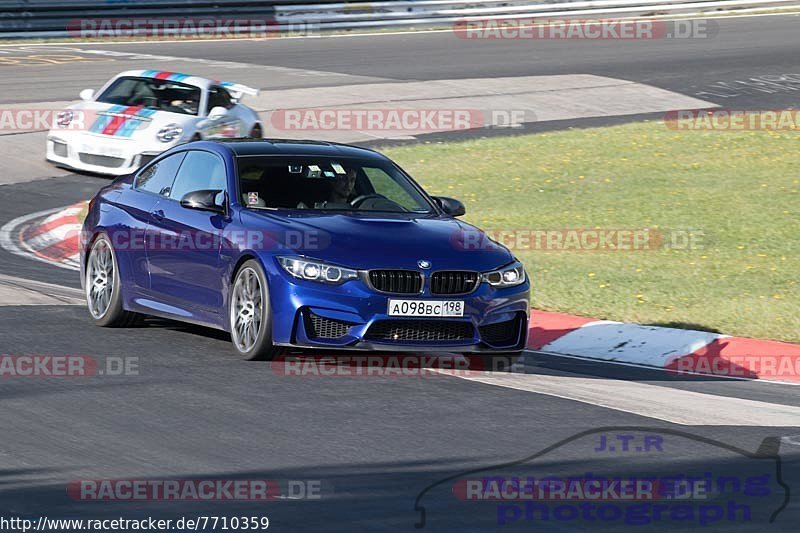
x,y
680,352
51,236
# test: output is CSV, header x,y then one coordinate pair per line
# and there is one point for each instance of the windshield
x,y
327,184
154,94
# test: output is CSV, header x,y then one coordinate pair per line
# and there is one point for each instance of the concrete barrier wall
x,y
67,18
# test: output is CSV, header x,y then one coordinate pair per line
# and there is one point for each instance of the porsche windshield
x,y
154,94
327,184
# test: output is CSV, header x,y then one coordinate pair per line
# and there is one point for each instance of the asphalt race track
x,y
371,452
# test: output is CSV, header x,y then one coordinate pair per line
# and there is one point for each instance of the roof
x,y
197,81
252,147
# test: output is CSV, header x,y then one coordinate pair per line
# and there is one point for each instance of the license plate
x,y
93,150
426,308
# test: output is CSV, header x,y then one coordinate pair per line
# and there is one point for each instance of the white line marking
x,y
10,232
18,291
42,286
662,403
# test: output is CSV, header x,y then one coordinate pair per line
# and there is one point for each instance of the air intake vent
x,y
60,149
501,333
326,328
101,160
421,330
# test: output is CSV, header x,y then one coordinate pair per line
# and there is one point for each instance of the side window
x,y
218,97
158,177
200,171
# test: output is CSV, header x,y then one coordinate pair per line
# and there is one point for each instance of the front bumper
x,y
99,155
353,316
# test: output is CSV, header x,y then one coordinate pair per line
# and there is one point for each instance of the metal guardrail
x,y
59,18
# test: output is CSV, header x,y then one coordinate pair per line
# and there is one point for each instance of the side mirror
x,y
87,95
450,206
205,200
217,112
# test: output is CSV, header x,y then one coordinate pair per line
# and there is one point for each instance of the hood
x,y
368,241
121,121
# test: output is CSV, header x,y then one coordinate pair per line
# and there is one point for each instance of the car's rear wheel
x,y
250,314
103,287
256,132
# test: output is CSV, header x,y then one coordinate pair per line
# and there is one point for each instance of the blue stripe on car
x,y
133,124
103,120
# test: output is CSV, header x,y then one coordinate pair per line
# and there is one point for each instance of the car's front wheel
x,y
103,287
250,314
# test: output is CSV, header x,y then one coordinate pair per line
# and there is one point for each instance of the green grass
x,y
739,192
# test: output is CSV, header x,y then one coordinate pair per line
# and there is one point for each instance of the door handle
x,y
158,215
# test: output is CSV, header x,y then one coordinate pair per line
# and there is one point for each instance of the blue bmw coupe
x,y
299,244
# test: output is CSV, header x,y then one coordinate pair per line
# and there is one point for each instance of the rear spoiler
x,y
237,89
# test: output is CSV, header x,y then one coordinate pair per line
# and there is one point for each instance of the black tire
x,y
262,349
493,362
256,132
112,316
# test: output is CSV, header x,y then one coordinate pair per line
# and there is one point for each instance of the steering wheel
x,y
358,200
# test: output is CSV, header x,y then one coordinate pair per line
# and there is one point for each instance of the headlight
x,y
169,133
510,276
316,271
64,118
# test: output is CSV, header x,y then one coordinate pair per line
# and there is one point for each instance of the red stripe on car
x,y
118,121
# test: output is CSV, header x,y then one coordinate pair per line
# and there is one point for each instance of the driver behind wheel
x,y
341,193
343,187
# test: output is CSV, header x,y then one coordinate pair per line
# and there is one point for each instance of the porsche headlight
x,y
309,269
64,118
509,276
169,133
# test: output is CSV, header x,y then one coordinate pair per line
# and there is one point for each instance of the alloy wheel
x,y
100,279
247,310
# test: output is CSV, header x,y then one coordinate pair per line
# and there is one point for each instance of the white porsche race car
x,y
140,113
